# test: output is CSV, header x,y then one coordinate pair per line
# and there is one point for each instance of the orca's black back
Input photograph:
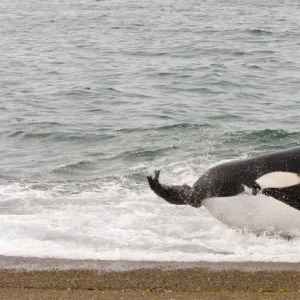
x,y
229,179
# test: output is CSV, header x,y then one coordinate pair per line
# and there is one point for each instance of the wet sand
x,y
32,278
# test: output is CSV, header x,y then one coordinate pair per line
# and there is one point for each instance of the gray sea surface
x,y
96,94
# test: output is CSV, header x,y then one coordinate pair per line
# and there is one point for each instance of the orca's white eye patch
x,y
278,180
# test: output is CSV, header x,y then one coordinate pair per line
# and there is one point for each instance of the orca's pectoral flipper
x,y
283,186
172,194
288,195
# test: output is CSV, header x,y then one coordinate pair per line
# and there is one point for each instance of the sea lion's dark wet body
x,y
230,179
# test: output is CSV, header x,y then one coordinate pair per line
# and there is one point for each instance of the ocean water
x,y
95,95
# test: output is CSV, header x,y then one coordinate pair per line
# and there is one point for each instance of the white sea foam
x,y
119,219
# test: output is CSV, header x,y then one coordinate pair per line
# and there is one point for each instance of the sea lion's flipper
x,y
177,194
278,180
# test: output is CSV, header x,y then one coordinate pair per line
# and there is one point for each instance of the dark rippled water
x,y
95,94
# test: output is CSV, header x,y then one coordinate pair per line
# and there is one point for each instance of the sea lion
x,y
274,174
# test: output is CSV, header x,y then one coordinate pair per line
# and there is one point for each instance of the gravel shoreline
x,y
34,278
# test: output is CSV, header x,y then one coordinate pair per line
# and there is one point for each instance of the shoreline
x,y
38,278
39,264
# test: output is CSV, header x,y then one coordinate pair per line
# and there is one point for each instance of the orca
x,y
275,174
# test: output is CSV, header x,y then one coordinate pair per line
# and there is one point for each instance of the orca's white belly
x,y
255,213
